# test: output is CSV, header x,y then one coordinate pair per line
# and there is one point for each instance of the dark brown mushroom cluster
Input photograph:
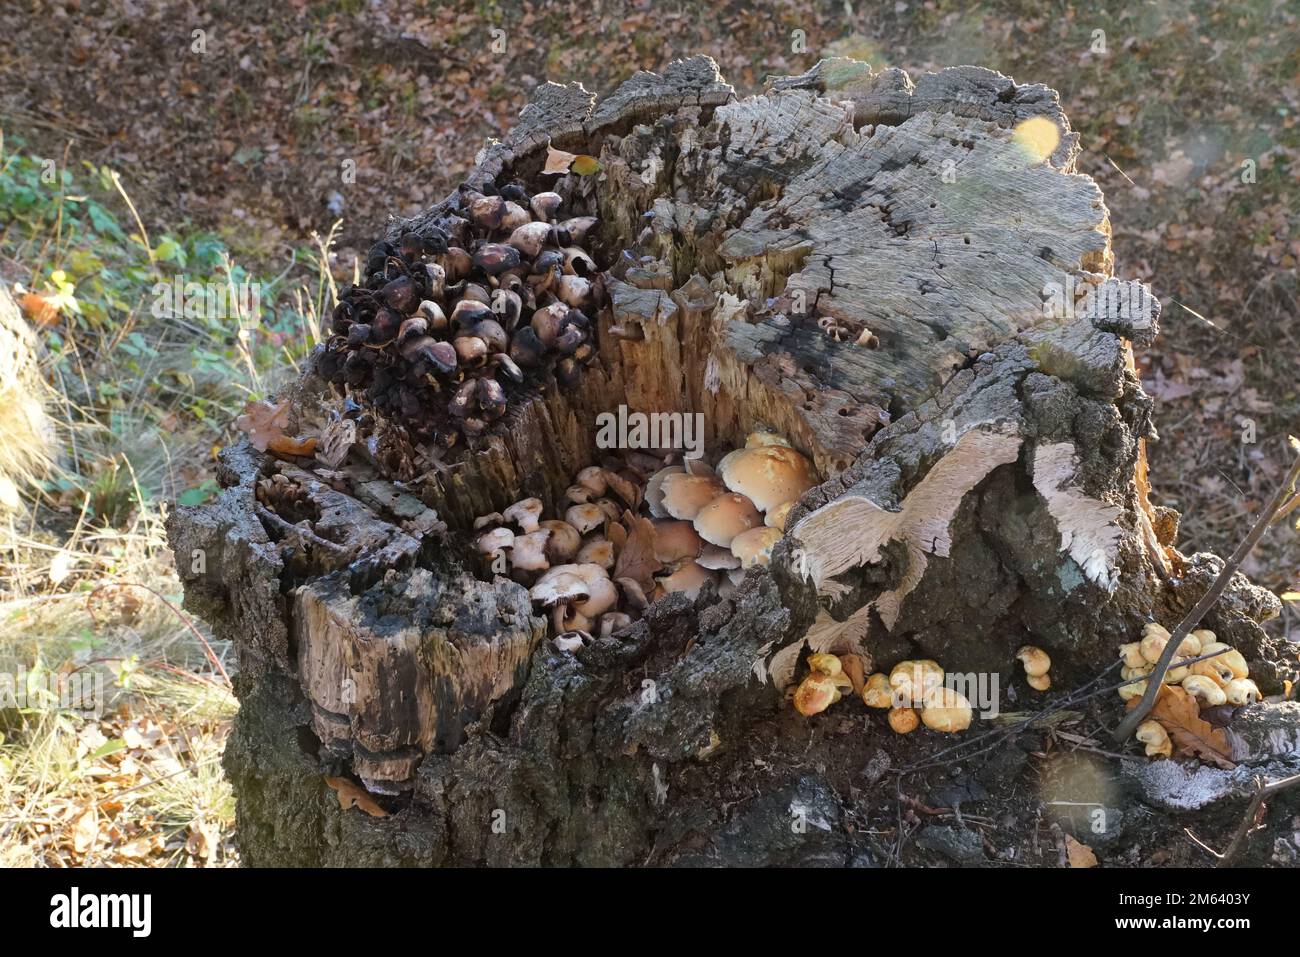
x,y
449,322
640,526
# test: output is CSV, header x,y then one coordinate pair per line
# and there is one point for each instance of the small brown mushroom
x,y
689,577
682,495
726,517
585,517
564,542
528,552
675,540
754,547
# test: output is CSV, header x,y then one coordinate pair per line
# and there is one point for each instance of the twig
x,y
1247,824
212,655
1193,617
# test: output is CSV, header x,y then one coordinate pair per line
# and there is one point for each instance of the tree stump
x,y
907,279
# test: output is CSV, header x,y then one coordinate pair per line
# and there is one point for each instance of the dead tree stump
x,y
889,273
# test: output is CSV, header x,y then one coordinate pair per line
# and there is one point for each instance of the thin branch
x,y
1247,824
1193,617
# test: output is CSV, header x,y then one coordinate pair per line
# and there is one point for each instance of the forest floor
x,y
224,142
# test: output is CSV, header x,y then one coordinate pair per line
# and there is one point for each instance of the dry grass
x,y
106,417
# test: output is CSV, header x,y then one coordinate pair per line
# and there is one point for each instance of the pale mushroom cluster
x,y
913,692
642,526
1223,679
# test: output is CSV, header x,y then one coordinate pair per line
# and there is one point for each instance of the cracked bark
x,y
822,199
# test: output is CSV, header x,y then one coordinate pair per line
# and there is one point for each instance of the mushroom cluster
x,y
449,321
913,693
640,526
741,506
1223,679
1036,663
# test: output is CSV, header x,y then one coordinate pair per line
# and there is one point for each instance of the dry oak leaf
x,y
637,559
559,162
1190,733
1079,854
264,424
352,795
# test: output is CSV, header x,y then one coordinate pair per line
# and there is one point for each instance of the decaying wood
x,y
854,259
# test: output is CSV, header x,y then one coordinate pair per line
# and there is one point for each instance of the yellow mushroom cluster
x,y
1223,679
1036,663
913,693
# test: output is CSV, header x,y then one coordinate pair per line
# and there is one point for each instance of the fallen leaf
x,y
352,795
627,491
1079,855
285,445
84,831
262,422
637,560
1190,733
557,161
585,165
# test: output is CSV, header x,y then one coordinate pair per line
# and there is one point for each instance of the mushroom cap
x,y
1241,691
725,517
775,517
1039,682
903,720
1154,736
614,621
1151,732
1135,690
1235,660
528,552
946,710
754,547
598,551
876,693
769,475
491,542
1035,660
912,681
604,596
717,558
585,517
525,513
826,664
593,478
763,437
564,542
1205,637
815,694
1216,669
654,490
690,577
1205,689
570,641
675,540
560,584
683,495
1131,654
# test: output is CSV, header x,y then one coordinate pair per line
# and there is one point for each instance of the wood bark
x,y
854,259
